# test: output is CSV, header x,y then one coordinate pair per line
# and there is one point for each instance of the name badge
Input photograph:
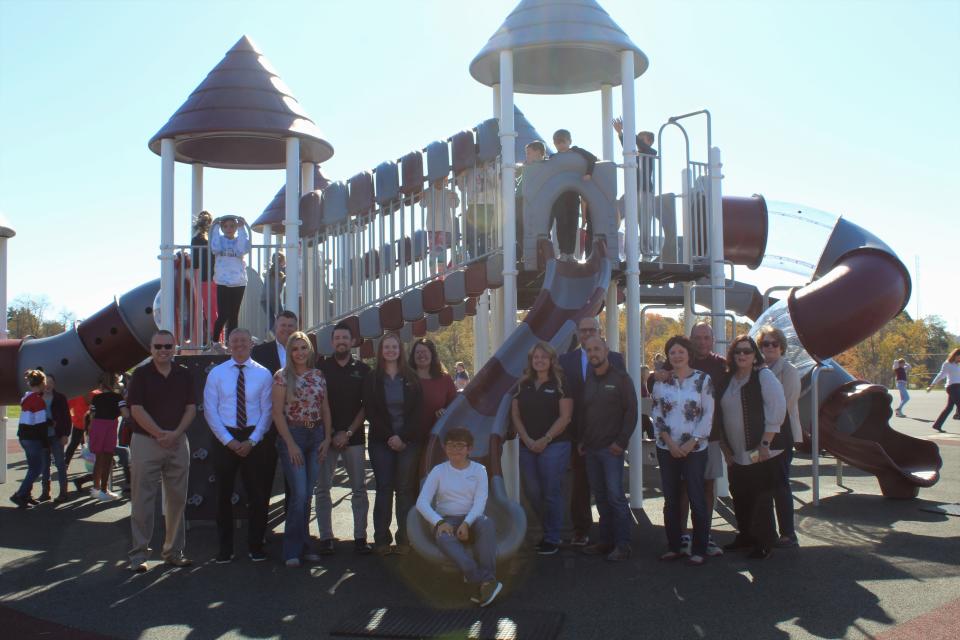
x,y
549,390
610,387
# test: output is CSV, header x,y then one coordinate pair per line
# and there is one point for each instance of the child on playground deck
x,y
460,488
566,210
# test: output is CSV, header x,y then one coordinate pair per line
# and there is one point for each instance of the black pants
x,y
953,400
229,300
580,513
752,487
252,471
568,223
76,439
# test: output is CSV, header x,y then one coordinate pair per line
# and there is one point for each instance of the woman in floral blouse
x,y
682,413
302,416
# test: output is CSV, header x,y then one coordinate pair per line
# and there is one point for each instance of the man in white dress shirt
x,y
237,406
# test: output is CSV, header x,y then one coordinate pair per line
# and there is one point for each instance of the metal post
x,y
292,225
632,241
167,284
307,172
606,120
815,429
613,317
196,189
3,336
717,272
689,319
481,332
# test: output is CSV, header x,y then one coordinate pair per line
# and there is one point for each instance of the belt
x,y
312,424
240,428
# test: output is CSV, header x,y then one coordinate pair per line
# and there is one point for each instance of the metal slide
x,y
571,291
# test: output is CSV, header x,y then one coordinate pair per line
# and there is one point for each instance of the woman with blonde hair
x,y
950,372
32,433
773,346
301,413
541,411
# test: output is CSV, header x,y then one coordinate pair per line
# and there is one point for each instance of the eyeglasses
x,y
745,351
166,347
456,446
769,343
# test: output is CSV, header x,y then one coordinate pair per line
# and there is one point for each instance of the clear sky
x,y
847,106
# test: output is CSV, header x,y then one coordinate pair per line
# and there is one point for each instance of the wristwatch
x,y
764,443
253,443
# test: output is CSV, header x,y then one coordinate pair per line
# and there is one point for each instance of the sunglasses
x,y
743,351
769,343
167,347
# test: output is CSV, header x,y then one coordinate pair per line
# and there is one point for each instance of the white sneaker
x,y
103,496
713,550
94,492
685,544
293,563
111,495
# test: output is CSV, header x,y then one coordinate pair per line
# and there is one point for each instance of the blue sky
x,y
846,106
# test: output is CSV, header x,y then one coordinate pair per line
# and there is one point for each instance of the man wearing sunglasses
x,y
162,407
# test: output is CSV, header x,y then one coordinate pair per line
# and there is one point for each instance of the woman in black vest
x,y
391,398
750,411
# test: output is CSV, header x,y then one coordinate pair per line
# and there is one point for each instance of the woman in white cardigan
x,y
950,372
773,346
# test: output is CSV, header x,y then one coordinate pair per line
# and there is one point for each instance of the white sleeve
x,y
211,408
427,493
705,424
479,497
243,240
941,375
774,401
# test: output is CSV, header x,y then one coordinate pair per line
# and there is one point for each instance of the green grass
x,y
13,414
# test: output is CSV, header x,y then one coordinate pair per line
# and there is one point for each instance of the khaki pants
x,y
151,465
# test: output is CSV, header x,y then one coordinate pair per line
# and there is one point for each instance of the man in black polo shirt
x,y
344,375
608,417
162,406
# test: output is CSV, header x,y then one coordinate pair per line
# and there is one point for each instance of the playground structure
x,y
432,238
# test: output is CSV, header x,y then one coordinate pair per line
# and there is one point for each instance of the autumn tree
x,y
35,316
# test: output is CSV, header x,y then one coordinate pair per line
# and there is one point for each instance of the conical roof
x,y
238,117
559,46
6,231
526,133
276,212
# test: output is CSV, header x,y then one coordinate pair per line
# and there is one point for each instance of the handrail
x,y
766,294
815,428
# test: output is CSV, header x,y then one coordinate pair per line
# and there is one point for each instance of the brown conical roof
x,y
238,117
276,212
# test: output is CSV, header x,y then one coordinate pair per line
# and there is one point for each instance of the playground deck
x,y
868,567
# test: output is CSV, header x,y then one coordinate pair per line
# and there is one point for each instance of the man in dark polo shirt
x,y
162,406
607,419
344,375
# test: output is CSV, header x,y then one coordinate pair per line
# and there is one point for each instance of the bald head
x,y
702,338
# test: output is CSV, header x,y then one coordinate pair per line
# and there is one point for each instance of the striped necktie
x,y
241,398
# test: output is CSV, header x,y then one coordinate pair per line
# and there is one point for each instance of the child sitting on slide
x,y
460,488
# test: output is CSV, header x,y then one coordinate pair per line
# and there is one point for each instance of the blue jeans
x,y
688,471
396,474
34,450
904,394
301,481
542,475
605,474
55,449
783,497
479,564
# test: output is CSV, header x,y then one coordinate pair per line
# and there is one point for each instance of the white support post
x,y
167,277
508,293
292,225
613,317
717,271
3,336
496,101
689,303
196,189
307,172
481,332
632,241
606,120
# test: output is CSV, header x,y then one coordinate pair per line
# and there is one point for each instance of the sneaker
x,y
713,550
179,561
34,503
547,548
94,493
44,497
488,592
224,557
20,501
325,547
111,495
293,563
619,554
597,549
257,556
670,556
899,414
696,561
105,496
137,566
362,547
579,541
685,544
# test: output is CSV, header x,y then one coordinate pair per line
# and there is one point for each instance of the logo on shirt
x,y
549,390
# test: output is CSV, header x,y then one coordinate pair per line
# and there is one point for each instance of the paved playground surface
x,y
867,568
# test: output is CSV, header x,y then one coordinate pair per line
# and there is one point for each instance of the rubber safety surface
x,y
475,624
